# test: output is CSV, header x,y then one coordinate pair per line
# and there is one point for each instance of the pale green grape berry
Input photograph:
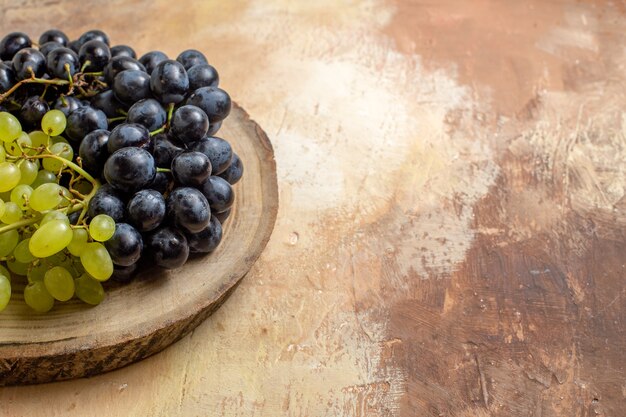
x,y
5,291
20,195
5,272
28,171
45,197
63,150
22,253
54,215
12,213
97,261
102,228
53,122
50,238
37,297
20,145
43,177
18,268
67,196
59,283
79,242
2,208
36,273
58,139
38,138
10,127
10,176
8,242
89,290
3,153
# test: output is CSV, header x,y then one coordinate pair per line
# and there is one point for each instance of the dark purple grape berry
x,y
33,110
48,47
214,101
189,124
130,169
191,168
53,35
219,193
164,150
207,239
12,43
129,134
217,150
84,120
58,59
151,59
131,86
94,55
123,50
28,62
234,172
118,64
169,82
168,247
187,208
94,35
191,57
146,210
149,113
125,246
93,151
202,75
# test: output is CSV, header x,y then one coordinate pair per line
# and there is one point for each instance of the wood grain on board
x,y
451,239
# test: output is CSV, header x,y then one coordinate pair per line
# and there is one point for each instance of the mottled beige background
x,y
452,232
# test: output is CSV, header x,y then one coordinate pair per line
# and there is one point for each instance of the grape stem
x,y
28,222
164,170
170,111
159,130
30,81
116,119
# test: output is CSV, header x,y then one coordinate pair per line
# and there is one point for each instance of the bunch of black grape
x,y
144,127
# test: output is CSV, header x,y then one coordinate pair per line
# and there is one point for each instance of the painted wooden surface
x,y
451,239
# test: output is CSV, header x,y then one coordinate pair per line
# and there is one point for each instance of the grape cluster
x,y
106,162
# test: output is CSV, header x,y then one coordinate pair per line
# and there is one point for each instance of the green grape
x,y
20,195
79,241
54,122
10,127
36,273
58,139
28,171
5,272
45,197
64,150
67,196
2,208
59,283
3,153
18,268
37,297
77,268
50,238
83,186
97,261
12,213
8,242
20,145
54,215
10,175
89,290
44,177
5,291
22,253
38,138
101,228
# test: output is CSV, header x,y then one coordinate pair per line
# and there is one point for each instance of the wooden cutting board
x,y
158,308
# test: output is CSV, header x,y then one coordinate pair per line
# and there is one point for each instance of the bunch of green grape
x,y
44,238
